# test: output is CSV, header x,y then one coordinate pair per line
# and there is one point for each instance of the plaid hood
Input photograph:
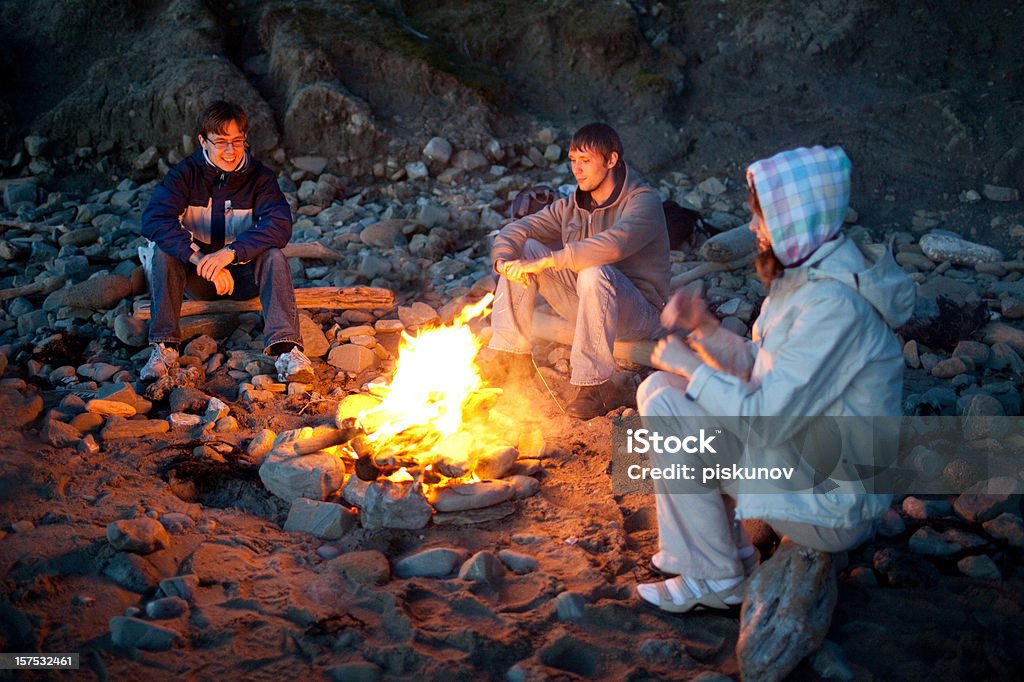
x,y
804,194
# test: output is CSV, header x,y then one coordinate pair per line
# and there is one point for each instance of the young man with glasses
x,y
599,258
218,221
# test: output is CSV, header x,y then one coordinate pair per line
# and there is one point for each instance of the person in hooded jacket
x,y
219,221
822,346
599,258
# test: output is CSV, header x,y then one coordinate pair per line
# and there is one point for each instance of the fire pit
x,y
430,441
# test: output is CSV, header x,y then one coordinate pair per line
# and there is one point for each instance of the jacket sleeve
x,y
272,221
803,375
544,226
161,221
642,221
727,352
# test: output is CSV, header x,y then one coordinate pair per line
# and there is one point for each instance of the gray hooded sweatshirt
x,y
628,234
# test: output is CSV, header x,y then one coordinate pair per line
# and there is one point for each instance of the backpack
x,y
681,223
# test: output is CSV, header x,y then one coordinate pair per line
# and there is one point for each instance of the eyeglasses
x,y
221,145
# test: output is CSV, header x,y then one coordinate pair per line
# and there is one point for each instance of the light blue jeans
x,y
601,303
267,276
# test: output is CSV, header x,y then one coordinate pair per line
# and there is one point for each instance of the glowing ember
x,y
436,374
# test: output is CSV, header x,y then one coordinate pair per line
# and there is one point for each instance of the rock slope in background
x,y
926,102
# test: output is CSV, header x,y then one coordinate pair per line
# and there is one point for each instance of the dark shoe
x,y
591,401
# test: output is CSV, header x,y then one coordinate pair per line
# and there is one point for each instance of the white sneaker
x,y
159,362
294,366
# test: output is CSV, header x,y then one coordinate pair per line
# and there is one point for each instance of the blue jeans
x,y
601,303
267,276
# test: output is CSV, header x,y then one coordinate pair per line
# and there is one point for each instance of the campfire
x,y
430,440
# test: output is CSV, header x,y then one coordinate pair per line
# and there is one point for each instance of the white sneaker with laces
x,y
159,362
294,366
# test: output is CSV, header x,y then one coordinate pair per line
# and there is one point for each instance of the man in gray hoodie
x,y
599,258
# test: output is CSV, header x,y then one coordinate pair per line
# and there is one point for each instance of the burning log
x,y
320,441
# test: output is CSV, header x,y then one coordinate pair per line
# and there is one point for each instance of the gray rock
x,y
131,330
989,499
58,434
943,247
97,371
416,170
312,476
314,342
975,350
926,509
141,535
19,410
97,293
980,567
36,145
119,428
929,542
323,519
786,613
525,486
133,633
472,495
469,160
79,237
188,399
1008,528
166,608
437,562
201,347
518,562
17,193
183,586
363,568
394,505
132,572
438,149
417,315
482,567
359,671
147,159
372,266
496,462
570,606
385,234
982,418
123,392
997,193
352,358
310,164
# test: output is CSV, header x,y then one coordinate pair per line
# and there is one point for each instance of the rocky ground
x,y
136,529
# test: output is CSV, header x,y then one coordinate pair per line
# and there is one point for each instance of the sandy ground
x,y
270,606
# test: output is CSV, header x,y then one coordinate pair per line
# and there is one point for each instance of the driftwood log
x,y
311,251
44,286
730,245
704,269
330,298
786,613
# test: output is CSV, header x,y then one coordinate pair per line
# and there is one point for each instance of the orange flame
x,y
436,374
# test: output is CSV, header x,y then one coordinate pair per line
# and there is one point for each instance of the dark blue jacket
x,y
198,207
